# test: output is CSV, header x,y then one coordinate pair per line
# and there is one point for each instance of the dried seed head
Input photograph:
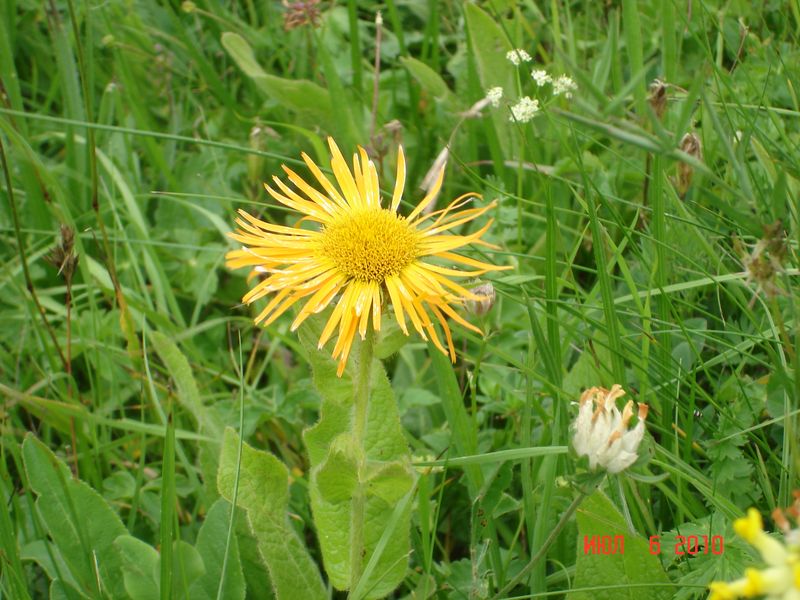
x,y
63,256
485,304
690,144
765,262
658,97
301,13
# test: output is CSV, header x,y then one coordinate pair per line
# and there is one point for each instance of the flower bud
x,y
486,302
658,97
690,144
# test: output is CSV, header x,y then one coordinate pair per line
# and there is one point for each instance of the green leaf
x,y
80,522
333,454
208,420
61,590
264,493
188,395
142,565
634,566
211,542
299,95
490,46
140,568
187,567
428,79
389,339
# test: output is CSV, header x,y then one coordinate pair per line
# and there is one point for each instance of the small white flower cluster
x,y
564,85
541,77
493,95
601,432
518,56
524,110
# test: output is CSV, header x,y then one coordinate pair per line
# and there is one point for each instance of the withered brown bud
x,y
63,255
486,302
765,262
301,13
658,97
690,144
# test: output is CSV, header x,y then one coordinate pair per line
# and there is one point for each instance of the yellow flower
x,y
780,580
362,252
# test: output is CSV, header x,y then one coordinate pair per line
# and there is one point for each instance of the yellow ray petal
x,y
400,182
292,199
326,203
324,181
397,304
276,228
443,322
336,315
430,197
343,176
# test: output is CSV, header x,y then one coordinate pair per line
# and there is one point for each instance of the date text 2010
x,y
691,545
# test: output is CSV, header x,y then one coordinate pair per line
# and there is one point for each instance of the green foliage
x,y
259,483
337,480
634,565
144,126
80,524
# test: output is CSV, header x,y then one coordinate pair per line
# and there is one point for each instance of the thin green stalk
x,y
633,41
503,593
360,411
22,256
355,47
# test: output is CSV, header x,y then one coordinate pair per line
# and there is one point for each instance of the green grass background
x,y
133,124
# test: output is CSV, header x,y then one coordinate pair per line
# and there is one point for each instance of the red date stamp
x,y
684,545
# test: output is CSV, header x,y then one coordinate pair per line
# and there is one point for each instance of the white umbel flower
x,y
494,95
541,77
564,84
602,433
518,56
524,110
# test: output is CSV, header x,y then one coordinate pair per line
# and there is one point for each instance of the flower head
x,y
518,56
564,84
541,77
361,253
780,580
493,95
601,432
524,110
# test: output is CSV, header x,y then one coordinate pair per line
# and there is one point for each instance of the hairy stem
x,y
360,410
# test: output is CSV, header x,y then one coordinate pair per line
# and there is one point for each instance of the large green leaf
x,y
429,80
263,491
211,542
302,96
490,45
140,568
79,521
142,564
634,566
209,422
335,479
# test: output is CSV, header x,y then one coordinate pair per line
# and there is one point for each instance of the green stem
x,y
360,408
546,545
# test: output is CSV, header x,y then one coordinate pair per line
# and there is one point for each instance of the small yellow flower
x,y
361,252
780,580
